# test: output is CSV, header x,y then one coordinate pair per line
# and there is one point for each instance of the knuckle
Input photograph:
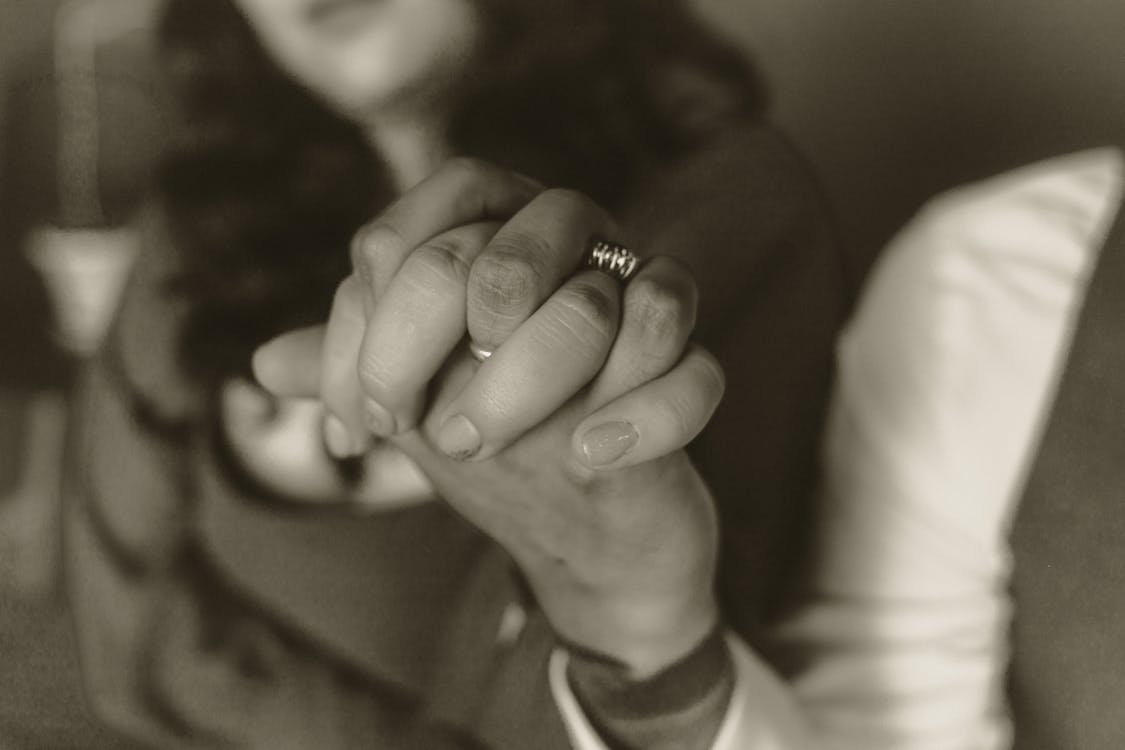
x,y
440,262
676,272
505,283
467,168
660,310
588,310
373,251
572,202
518,243
375,377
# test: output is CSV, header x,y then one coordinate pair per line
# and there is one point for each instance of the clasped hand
x,y
565,446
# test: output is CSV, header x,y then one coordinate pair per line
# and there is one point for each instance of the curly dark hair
x,y
265,186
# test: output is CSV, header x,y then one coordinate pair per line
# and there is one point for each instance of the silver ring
x,y
616,260
479,353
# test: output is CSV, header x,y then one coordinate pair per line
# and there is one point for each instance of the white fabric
x,y
945,378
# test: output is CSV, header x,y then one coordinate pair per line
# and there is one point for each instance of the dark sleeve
x,y
749,218
679,708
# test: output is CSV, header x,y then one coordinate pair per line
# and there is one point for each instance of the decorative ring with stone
x,y
479,353
616,260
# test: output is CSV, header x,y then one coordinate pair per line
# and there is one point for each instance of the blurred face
x,y
369,58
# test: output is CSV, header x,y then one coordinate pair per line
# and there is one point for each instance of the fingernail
x,y
337,439
608,442
459,438
378,419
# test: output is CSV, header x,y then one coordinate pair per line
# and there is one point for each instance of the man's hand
x,y
564,446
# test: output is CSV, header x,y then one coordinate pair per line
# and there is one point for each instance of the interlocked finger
x,y
654,420
538,369
462,191
657,317
527,260
418,321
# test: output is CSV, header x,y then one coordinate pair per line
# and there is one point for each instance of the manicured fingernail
x,y
378,420
608,442
459,438
337,439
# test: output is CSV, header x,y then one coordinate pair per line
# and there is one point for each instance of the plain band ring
x,y
479,353
616,260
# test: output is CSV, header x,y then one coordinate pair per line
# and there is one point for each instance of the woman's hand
x,y
621,558
564,445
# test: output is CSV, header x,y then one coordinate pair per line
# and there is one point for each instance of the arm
x,y
902,643
944,376
589,571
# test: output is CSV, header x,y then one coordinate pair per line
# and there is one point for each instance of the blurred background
x,y
892,101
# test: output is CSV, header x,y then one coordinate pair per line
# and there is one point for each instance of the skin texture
x,y
621,555
614,553
620,543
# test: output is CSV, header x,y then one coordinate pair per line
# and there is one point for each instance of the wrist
x,y
641,640
674,687
682,706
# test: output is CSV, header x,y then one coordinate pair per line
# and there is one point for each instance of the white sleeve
x,y
943,380
761,716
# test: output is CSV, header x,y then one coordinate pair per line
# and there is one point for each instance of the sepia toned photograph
x,y
562,375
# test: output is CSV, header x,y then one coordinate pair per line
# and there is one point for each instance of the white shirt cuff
x,y
762,714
